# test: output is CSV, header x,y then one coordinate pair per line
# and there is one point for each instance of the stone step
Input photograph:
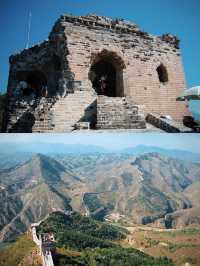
x,y
115,113
112,112
69,110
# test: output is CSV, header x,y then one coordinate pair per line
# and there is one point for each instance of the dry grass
x,y
180,245
67,252
23,252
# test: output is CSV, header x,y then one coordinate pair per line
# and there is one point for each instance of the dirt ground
x,y
181,245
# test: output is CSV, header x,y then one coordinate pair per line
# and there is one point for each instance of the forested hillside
x,y
83,241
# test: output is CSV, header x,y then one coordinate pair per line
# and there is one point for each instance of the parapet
x,y
119,25
95,22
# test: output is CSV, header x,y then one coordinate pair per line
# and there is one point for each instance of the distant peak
x,y
40,156
153,154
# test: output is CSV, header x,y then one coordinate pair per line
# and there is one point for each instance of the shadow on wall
x,y
49,77
3,104
24,124
90,115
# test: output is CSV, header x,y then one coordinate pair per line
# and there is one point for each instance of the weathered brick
x,y
64,62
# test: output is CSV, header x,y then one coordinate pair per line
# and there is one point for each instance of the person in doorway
x,y
103,84
23,87
44,91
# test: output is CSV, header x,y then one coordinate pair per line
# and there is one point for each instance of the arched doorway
x,y
32,82
106,74
37,82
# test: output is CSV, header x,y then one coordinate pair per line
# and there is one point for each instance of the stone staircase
x,y
43,115
31,115
78,106
119,113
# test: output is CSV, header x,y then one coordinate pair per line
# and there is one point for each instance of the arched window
x,y
162,73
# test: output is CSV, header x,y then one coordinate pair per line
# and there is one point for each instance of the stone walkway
x,y
150,128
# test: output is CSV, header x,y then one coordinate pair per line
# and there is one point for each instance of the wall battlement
x,y
92,21
119,25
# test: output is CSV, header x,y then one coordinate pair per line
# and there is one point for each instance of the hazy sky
x,y
189,142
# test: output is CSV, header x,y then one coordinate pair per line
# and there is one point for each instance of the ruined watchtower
x,y
98,70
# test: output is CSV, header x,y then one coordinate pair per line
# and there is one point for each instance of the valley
x,y
153,196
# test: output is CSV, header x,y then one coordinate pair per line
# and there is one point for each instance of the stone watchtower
x,y
94,69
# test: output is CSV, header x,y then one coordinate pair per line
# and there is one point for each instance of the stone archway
x,y
106,74
36,82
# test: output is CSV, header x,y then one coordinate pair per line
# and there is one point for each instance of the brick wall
x,y
141,54
78,43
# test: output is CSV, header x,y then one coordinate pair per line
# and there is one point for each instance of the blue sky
x,y
188,142
179,17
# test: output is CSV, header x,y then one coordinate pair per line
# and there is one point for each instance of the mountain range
x,y
149,188
20,153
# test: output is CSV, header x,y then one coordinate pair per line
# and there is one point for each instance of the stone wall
x,y
45,66
137,53
63,63
167,125
118,112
